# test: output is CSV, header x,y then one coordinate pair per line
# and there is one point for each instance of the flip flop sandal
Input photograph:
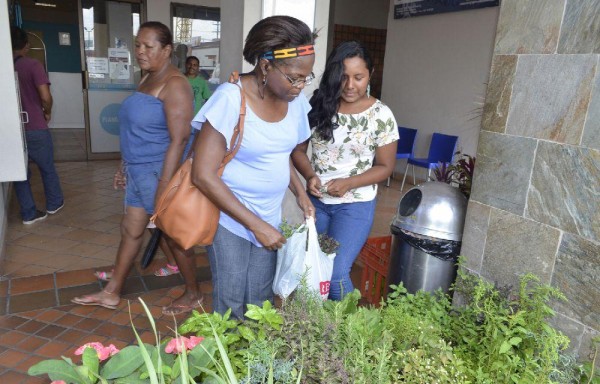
x,y
90,300
167,271
178,309
103,275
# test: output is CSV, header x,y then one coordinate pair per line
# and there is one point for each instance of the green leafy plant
x,y
591,370
459,172
506,338
463,170
287,229
497,335
135,363
443,172
328,244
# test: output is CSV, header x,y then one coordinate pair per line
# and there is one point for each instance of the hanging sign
x,y
411,8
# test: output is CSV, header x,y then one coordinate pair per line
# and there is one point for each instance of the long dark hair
x,y
325,101
274,33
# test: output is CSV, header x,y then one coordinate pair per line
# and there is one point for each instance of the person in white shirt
x,y
353,148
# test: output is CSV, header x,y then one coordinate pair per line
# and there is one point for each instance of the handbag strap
x,y
238,132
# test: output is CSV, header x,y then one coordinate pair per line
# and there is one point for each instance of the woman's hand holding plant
x,y
268,236
314,186
338,187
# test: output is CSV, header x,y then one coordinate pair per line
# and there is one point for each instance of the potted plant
x,y
458,173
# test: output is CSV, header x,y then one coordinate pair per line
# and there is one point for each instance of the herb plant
x,y
328,244
287,229
494,336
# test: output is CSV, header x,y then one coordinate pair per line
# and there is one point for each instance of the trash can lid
x,y
433,209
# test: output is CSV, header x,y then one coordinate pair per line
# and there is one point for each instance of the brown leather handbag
x,y
184,213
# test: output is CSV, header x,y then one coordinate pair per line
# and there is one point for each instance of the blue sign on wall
x,y
411,8
109,118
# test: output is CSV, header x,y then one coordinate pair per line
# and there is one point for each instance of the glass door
x,y
110,74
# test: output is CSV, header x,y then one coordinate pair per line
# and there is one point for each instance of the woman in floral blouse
x,y
353,148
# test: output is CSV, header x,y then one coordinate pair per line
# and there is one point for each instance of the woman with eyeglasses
x,y
353,148
251,189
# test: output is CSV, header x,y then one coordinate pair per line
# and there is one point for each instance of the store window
x,y
197,32
303,9
109,29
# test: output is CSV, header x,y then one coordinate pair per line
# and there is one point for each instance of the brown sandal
x,y
92,300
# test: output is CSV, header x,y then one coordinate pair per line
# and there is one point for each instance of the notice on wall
x,y
118,62
97,66
412,8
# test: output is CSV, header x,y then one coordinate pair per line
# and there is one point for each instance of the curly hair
x,y
325,101
274,33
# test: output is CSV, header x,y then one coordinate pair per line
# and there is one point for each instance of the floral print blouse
x,y
353,149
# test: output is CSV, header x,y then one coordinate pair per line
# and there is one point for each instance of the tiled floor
x,y
48,263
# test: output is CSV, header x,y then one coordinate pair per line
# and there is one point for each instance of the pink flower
x,y
58,382
174,345
193,341
103,352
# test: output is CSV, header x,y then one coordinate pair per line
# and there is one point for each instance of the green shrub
x,y
496,337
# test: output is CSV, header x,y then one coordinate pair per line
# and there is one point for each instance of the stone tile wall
x,y
535,203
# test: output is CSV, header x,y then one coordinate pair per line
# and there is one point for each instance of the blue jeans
x,y
242,273
41,152
350,224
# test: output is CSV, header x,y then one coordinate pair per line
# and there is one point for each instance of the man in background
x,y
36,101
199,85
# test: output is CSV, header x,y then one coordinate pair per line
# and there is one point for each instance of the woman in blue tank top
x,y
155,128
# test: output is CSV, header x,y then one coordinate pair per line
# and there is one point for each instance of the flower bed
x,y
497,336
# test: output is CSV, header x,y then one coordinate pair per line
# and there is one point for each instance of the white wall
x,y
436,71
12,158
67,109
354,12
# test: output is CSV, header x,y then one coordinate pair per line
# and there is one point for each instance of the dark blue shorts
x,y
142,182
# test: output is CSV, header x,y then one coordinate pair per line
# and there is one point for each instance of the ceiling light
x,y
43,4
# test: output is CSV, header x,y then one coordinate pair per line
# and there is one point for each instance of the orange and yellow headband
x,y
286,53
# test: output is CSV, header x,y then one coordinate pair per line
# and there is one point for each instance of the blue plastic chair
x,y
406,145
441,150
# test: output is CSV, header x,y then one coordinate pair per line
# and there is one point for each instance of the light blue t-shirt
x,y
259,173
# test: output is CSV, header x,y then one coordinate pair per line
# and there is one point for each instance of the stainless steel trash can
x,y
426,237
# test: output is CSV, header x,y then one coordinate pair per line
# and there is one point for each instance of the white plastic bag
x,y
290,263
302,255
318,264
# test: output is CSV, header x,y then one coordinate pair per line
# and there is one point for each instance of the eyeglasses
x,y
296,82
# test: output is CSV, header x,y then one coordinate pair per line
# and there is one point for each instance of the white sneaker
x,y
57,209
39,215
